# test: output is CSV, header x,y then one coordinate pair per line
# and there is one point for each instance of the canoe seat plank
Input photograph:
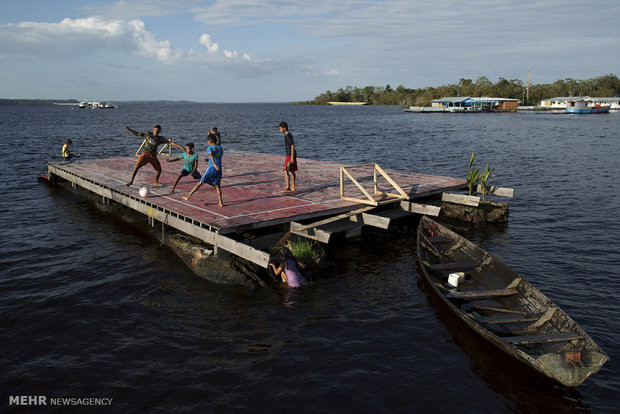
x,y
501,310
506,318
532,339
440,239
481,294
454,265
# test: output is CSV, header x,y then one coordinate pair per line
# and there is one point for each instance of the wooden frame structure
x,y
370,200
162,149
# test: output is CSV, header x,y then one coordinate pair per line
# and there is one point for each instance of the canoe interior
x,y
505,308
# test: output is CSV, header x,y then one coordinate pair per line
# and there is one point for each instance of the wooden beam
x,y
482,294
533,339
455,266
326,231
300,227
420,208
498,191
467,200
357,184
389,179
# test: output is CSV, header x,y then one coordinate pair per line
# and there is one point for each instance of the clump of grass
x,y
307,252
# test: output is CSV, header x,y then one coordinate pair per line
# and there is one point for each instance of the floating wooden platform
x,y
251,185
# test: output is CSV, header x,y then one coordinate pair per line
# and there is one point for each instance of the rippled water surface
x,y
92,307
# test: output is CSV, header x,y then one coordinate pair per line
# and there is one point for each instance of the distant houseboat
x,y
466,104
580,106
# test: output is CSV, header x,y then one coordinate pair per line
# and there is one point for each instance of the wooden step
x,y
455,266
506,318
533,339
500,310
482,293
439,239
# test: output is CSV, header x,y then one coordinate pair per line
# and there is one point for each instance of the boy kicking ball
x,y
213,174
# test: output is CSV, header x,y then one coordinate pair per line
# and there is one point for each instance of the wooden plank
x,y
439,239
325,232
498,191
420,208
301,227
533,339
313,233
506,318
380,219
501,310
391,181
482,294
359,186
467,200
455,265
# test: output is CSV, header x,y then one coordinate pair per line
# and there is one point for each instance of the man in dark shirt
x,y
149,151
290,162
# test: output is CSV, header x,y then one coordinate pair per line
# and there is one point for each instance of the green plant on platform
x,y
306,251
484,176
473,175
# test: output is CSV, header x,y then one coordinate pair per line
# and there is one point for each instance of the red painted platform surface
x,y
251,185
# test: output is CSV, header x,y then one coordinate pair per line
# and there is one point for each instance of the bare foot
x,y
157,184
221,204
286,190
171,192
128,184
185,197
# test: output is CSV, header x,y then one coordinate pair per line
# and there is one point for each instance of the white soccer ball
x,y
144,191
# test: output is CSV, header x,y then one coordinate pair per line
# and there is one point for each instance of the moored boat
x,y
580,106
504,308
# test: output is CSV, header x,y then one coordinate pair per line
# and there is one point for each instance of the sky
x,y
292,50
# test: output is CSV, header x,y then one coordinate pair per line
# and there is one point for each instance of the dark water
x,y
90,307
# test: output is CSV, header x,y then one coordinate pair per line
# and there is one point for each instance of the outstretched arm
x,y
132,131
175,144
172,159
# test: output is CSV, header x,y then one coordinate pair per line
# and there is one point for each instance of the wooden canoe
x,y
505,309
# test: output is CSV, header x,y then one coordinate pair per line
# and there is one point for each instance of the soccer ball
x,y
144,192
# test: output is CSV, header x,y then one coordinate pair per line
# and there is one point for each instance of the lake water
x,y
92,307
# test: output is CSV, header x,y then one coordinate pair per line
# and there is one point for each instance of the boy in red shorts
x,y
290,162
149,151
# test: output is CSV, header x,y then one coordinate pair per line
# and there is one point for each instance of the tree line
x,y
602,86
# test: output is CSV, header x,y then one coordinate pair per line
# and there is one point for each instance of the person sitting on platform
x,y
66,153
190,166
149,151
287,269
213,173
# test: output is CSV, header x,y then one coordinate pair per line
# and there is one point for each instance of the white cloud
x,y
79,37
211,46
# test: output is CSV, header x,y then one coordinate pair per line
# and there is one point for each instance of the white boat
x,y
580,106
96,105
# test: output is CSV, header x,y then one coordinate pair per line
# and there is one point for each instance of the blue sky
x,y
286,50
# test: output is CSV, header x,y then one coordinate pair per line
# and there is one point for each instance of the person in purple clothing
x,y
287,269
